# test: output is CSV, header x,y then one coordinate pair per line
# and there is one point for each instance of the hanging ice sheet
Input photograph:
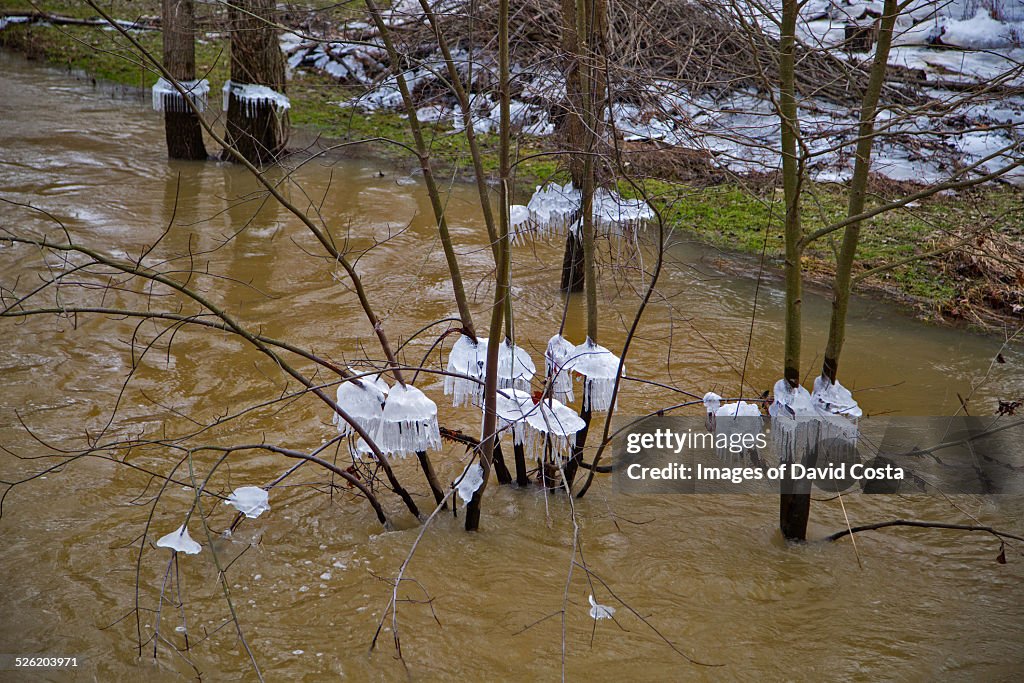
x,y
167,98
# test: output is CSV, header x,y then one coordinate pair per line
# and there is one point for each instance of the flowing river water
x,y
710,573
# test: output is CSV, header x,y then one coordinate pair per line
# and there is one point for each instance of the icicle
x,y
409,424
470,482
363,401
599,611
515,367
251,501
559,351
599,368
555,425
254,97
167,98
467,357
179,541
512,407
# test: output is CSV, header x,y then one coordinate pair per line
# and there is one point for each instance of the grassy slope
x,y
727,215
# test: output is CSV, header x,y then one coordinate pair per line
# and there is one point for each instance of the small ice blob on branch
x,y
470,482
254,97
599,611
599,368
409,423
251,501
179,541
363,401
559,351
167,98
468,358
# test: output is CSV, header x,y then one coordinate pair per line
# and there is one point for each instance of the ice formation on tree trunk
x,y
794,427
515,367
559,351
732,418
167,98
179,541
840,413
556,208
618,215
599,611
409,423
251,501
834,398
599,368
254,97
551,424
513,406
363,401
467,357
470,482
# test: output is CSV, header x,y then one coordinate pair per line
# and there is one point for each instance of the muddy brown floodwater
x,y
709,572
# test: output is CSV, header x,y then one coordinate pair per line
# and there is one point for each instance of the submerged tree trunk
x,y
256,126
181,124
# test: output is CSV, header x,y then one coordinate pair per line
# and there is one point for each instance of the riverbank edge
x,y
726,215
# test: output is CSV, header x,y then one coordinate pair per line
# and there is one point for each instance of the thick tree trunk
x,y
256,128
181,124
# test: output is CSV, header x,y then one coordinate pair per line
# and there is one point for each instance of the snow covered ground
x,y
738,128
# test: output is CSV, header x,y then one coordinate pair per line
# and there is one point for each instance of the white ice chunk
x,y
167,98
472,479
515,367
251,501
409,424
552,425
253,97
834,398
559,351
179,541
467,357
598,611
599,368
363,401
